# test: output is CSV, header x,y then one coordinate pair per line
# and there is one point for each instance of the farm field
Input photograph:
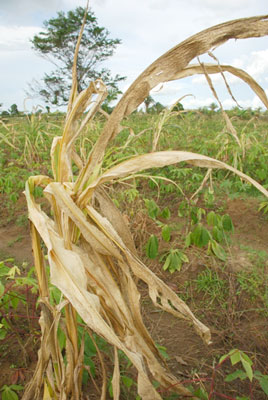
x,y
204,233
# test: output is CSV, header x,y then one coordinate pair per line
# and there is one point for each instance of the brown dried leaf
x,y
160,159
180,360
166,68
194,69
114,216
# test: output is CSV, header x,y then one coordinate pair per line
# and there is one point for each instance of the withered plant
x,y
90,251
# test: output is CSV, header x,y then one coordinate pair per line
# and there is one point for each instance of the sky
x,y
147,29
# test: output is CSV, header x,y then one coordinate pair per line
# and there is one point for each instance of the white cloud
x,y
223,5
258,64
23,9
193,102
254,103
239,62
168,93
16,38
147,28
201,79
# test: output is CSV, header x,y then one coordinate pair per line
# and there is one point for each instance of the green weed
x,y
214,287
9,392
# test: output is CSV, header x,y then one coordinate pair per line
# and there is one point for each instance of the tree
x,y
213,107
4,113
13,109
57,44
156,108
148,101
178,107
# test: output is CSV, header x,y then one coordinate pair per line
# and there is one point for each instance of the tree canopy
x,y
13,110
57,44
151,106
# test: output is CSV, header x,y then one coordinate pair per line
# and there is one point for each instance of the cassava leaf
x,y
227,223
167,262
247,363
264,383
236,374
212,219
218,250
152,247
235,357
166,233
200,236
165,213
2,288
217,234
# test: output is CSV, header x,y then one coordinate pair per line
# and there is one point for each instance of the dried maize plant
x,y
91,254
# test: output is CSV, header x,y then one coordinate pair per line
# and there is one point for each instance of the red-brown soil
x,y
234,323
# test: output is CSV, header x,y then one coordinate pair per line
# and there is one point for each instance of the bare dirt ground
x,y
15,242
234,323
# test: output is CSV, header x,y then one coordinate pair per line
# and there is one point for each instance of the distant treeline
x,y
150,106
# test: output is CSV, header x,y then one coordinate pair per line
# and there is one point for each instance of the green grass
x,y
25,145
212,286
26,142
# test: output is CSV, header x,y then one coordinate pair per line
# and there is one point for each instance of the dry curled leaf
x,y
91,253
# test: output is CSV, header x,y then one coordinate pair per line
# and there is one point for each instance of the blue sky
x,y
147,28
